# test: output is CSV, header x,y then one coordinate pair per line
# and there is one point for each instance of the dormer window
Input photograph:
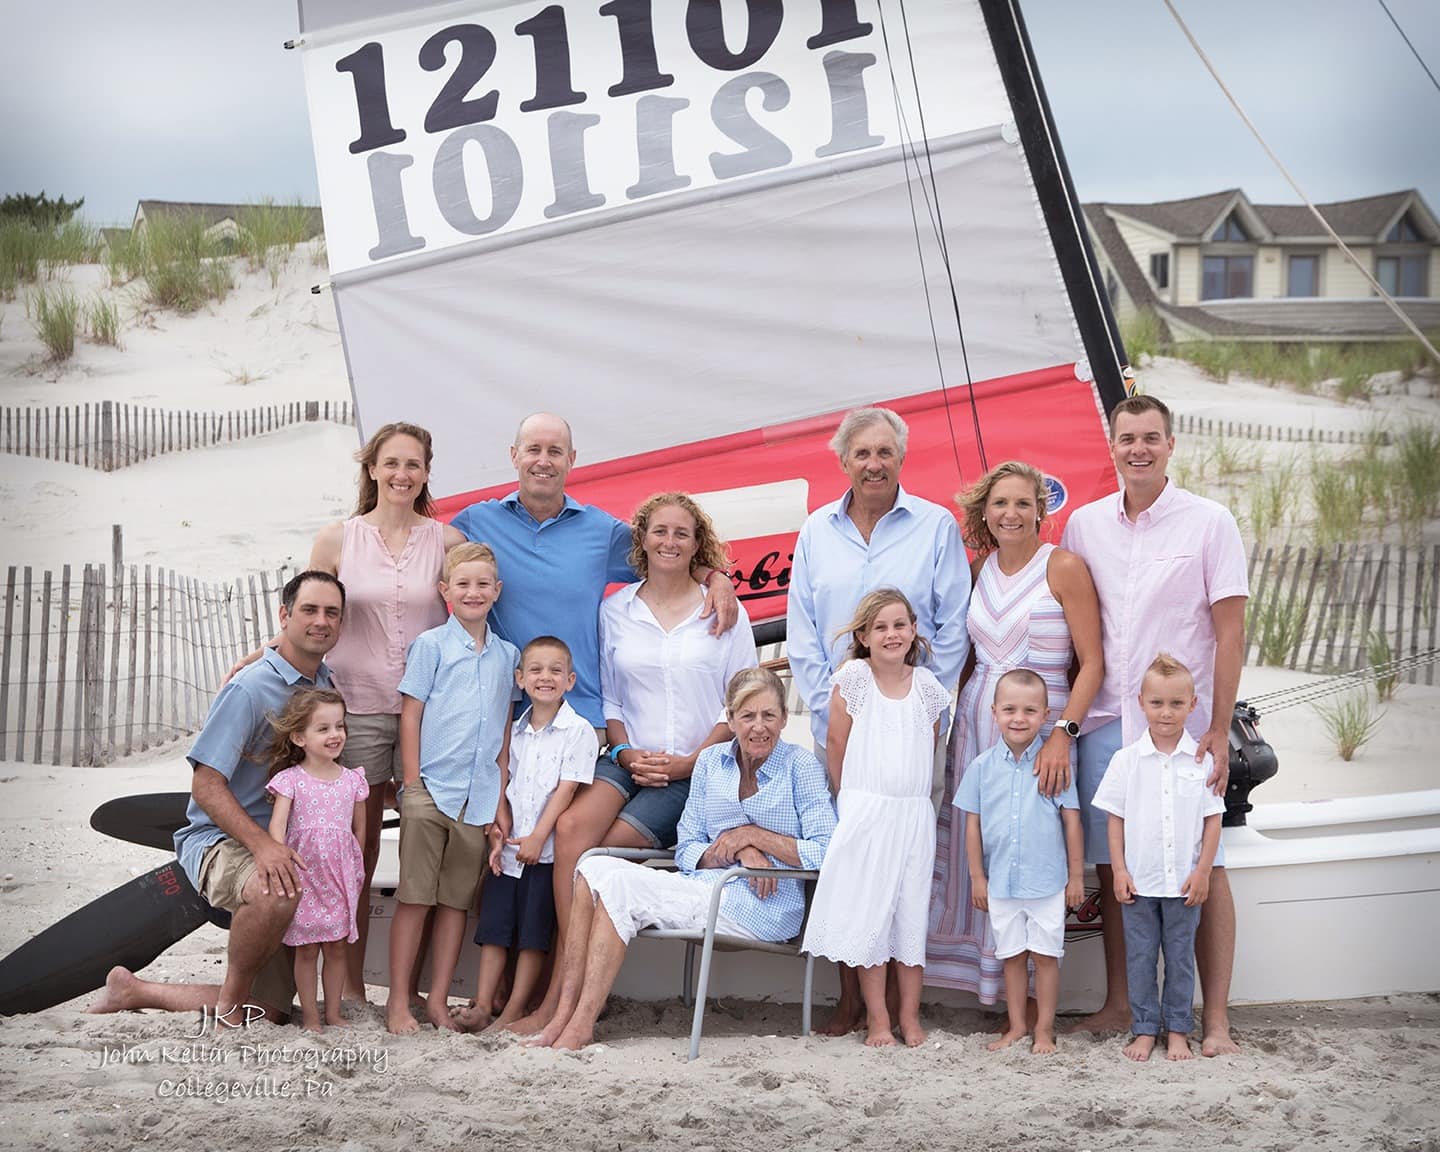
x,y
1230,230
1404,232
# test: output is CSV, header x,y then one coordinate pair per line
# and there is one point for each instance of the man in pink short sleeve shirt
x,y
1170,571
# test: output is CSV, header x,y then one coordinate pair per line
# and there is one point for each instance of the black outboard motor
x,y
1252,762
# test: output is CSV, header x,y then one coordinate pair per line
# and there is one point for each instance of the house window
x,y
1303,276
1227,277
1404,232
1404,275
1160,269
1230,229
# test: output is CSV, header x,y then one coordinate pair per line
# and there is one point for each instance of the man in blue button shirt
x,y
559,556
225,847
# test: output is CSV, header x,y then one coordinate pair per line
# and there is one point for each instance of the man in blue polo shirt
x,y
559,556
225,847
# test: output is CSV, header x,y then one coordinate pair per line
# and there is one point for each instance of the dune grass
x,y
1142,335
1350,721
103,318
183,267
270,233
1278,626
1304,365
56,315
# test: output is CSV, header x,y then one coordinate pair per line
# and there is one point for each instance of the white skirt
x,y
638,897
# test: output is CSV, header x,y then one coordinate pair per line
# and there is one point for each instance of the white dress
x,y
872,899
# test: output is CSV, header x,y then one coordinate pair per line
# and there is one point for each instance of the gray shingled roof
x,y
213,214
1186,219
1191,219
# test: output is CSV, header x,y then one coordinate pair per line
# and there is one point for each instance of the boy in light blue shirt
x,y
454,749
1025,853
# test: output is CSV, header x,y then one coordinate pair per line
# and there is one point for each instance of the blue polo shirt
x,y
1020,829
554,576
234,742
467,693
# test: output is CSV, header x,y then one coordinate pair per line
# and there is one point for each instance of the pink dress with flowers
x,y
322,816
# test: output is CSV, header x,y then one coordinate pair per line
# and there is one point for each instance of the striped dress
x,y
1014,622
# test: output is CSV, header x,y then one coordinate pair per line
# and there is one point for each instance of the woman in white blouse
x,y
663,675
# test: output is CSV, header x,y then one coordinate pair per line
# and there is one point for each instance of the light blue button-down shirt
x,y
235,742
467,695
793,799
916,548
1020,829
555,575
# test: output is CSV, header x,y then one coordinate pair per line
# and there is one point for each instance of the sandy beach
x,y
1340,1075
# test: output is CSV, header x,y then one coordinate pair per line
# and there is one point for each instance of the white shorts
x,y
639,897
1033,925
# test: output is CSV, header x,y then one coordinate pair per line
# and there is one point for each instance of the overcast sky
x,y
198,101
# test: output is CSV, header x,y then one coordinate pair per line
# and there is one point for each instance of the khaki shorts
x,y
224,870
372,743
442,861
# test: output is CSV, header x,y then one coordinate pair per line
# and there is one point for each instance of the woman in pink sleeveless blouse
x,y
390,556
1033,606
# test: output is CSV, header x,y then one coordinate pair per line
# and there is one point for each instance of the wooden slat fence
x,y
1345,607
106,435
1240,430
97,664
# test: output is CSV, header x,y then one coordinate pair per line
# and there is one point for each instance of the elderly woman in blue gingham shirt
x,y
756,801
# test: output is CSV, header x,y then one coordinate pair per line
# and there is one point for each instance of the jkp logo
x,y
1055,495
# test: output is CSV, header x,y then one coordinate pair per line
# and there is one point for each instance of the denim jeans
x,y
1155,924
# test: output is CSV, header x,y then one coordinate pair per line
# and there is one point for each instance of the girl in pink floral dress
x,y
320,814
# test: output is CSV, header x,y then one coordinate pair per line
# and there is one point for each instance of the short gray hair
x,y
863,418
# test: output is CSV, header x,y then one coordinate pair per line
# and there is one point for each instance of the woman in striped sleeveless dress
x,y
1034,606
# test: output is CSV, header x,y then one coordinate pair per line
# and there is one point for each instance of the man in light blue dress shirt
x,y
876,535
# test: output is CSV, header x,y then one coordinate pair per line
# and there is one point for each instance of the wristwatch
x,y
1069,727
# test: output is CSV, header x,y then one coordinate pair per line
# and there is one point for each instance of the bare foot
x,y
502,1023
438,1014
877,1032
532,1024
547,1036
355,996
1177,1047
912,1033
471,1018
118,994
844,1020
1217,1043
1140,1047
1044,1041
1106,1020
399,1021
1008,1037
312,1023
574,1039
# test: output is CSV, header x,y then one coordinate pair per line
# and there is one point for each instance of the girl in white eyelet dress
x,y
872,900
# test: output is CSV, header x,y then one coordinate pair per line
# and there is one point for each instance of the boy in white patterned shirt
x,y
552,753
1164,826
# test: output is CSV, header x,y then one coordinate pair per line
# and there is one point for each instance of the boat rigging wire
x,y
1413,50
1283,698
1325,224
931,195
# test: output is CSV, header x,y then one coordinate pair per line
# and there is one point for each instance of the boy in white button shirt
x,y
552,752
1164,832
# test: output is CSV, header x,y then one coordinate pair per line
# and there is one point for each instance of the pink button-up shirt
x,y
1157,577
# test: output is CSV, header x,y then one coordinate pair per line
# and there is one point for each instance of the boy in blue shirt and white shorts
x,y
1025,853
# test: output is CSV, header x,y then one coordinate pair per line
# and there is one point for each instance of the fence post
x,y
312,410
107,435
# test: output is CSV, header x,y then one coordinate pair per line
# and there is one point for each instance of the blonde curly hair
x,y
972,501
710,550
